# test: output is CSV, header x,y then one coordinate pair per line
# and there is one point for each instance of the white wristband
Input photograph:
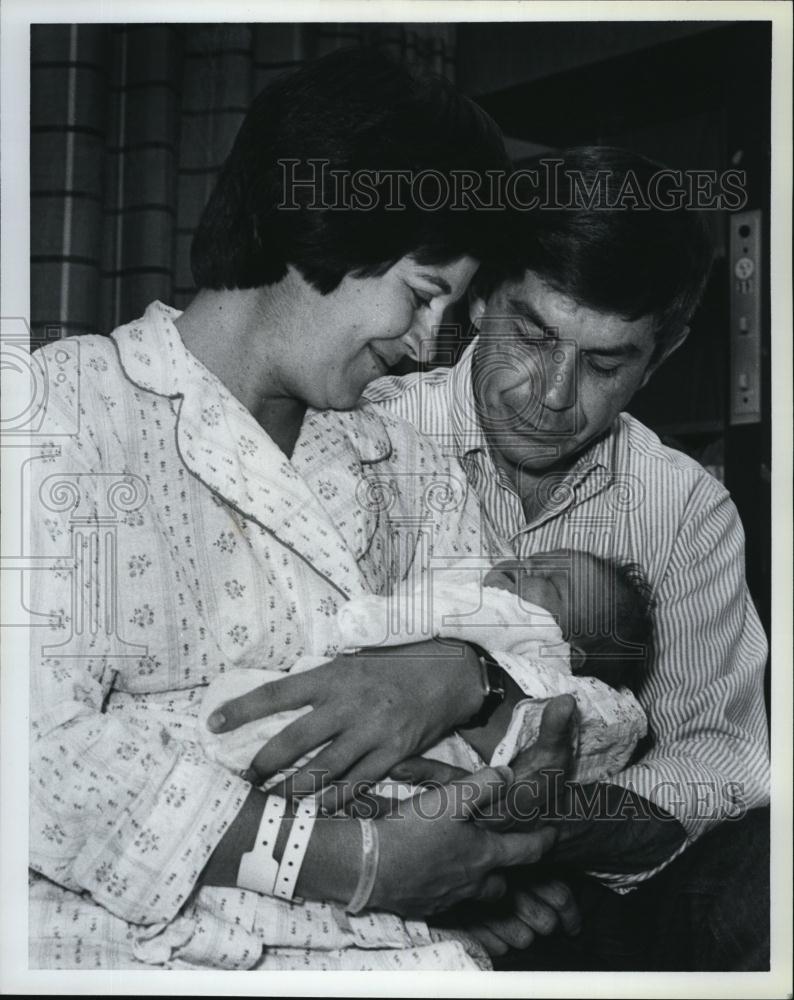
x,y
258,868
295,848
370,854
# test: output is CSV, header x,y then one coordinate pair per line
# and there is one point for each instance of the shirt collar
x,y
152,353
599,457
467,430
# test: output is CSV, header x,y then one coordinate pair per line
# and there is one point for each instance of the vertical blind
x,y
129,127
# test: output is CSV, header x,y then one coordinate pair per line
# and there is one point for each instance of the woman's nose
x,y
421,338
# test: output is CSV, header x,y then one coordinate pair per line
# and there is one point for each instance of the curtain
x,y
129,127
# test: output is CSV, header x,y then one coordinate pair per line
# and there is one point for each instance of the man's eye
x,y
608,371
420,300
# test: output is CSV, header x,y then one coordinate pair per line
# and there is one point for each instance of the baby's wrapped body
x,y
525,640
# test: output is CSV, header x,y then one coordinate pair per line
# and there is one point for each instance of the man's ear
x,y
476,308
669,347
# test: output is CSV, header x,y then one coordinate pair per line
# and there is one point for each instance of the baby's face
x,y
548,589
576,588
535,583
540,582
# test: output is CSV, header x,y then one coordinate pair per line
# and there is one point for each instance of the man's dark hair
x,y
626,260
357,110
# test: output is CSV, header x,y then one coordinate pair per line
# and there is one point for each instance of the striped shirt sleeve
x,y
709,760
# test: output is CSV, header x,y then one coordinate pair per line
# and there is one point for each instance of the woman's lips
x,y
385,362
379,360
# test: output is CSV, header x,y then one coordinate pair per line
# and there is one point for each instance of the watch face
x,y
495,689
496,680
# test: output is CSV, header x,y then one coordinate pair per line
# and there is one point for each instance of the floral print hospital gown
x,y
176,542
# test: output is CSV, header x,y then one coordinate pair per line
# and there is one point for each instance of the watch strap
x,y
493,679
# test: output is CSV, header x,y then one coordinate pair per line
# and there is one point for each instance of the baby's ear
x,y
502,573
578,659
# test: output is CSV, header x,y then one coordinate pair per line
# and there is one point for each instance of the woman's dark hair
x,y
301,144
600,235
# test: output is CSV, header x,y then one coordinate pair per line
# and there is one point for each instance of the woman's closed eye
x,y
529,331
421,299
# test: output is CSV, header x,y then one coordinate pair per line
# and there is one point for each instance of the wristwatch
x,y
494,681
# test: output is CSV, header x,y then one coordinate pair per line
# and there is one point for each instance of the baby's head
x,y
603,609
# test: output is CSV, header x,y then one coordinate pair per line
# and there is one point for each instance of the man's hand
x,y
373,708
539,771
542,907
433,855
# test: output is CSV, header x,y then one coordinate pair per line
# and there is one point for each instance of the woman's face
x,y
344,340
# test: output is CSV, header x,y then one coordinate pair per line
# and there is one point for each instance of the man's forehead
x,y
532,300
528,283
533,291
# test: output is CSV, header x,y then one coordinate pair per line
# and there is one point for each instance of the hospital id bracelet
x,y
370,855
258,868
493,679
295,848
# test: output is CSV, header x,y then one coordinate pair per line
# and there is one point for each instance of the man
x,y
599,298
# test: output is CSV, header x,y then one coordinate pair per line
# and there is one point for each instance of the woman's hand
x,y
376,707
433,854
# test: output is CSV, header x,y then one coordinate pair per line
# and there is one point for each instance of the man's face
x,y
550,375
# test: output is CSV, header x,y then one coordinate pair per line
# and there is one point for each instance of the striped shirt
x,y
630,498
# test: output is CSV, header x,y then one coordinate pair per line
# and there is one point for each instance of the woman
x,y
219,499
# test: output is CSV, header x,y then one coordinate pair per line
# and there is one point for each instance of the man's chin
x,y
541,458
541,452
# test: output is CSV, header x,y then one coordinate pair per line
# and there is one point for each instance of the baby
x,y
603,609
559,622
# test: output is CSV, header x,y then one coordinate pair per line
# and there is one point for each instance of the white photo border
x,y
16,16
